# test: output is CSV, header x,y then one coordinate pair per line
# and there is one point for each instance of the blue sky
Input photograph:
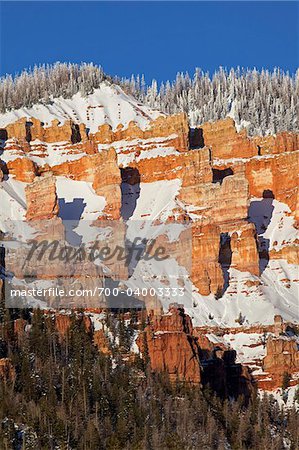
x,y
157,38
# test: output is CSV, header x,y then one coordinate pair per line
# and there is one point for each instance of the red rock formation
x,y
215,205
171,346
244,250
28,130
7,370
57,132
41,198
191,167
225,142
175,126
22,169
223,203
17,130
101,169
63,323
107,181
289,252
101,342
19,327
282,355
206,271
279,325
278,174
280,143
163,126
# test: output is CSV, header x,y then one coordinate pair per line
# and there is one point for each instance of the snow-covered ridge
x,y
107,105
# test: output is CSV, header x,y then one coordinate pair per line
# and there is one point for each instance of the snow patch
x,y
107,104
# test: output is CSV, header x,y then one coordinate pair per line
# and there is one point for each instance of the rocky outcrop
x,y
282,355
22,169
222,203
206,271
63,323
275,173
244,250
280,143
175,126
101,342
225,142
41,198
174,347
7,370
27,130
17,130
289,252
171,347
102,171
216,181
192,168
57,132
107,181
282,358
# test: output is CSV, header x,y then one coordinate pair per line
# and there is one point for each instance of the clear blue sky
x,y
157,38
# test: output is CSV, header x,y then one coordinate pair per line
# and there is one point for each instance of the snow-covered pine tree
x,y
266,102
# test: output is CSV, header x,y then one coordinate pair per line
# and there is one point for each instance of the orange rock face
x,y
101,342
225,142
224,203
63,323
22,169
278,174
244,250
174,347
102,170
274,173
290,253
28,130
282,356
7,370
17,130
56,133
281,143
171,346
41,199
163,126
107,181
191,167
206,270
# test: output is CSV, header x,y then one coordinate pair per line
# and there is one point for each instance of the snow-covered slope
x,y
273,222
145,204
108,104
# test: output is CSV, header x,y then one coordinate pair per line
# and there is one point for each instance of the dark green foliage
x,y
286,378
67,395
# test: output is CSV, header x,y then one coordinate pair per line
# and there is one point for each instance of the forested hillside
x,y
65,394
264,102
